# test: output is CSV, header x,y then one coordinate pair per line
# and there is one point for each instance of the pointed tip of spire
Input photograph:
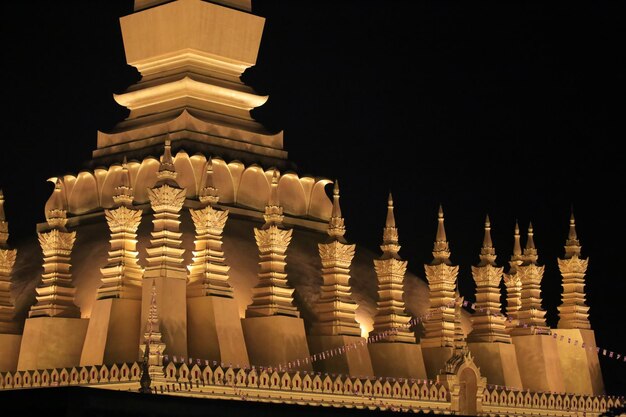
x,y
336,207
572,244
391,219
336,187
516,227
1,194
441,250
209,164
124,163
440,213
2,216
275,176
487,221
517,247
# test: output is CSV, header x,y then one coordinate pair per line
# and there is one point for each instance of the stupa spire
x,y
336,225
208,192
208,274
336,310
273,210
167,170
56,214
572,244
488,324
573,312
121,277
441,275
512,279
441,249
123,192
391,270
55,293
531,315
153,346
4,225
7,260
272,295
487,252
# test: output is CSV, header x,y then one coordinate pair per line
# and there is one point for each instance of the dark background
x,y
515,109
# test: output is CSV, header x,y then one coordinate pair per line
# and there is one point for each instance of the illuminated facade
x,y
193,256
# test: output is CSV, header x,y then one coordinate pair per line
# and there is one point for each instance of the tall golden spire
x,y
391,270
441,276
208,273
55,293
7,261
530,315
121,277
167,170
336,310
573,312
488,325
272,295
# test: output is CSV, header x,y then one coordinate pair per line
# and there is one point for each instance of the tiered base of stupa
x,y
403,360
354,361
497,362
538,362
580,367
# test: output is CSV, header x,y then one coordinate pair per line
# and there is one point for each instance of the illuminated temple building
x,y
191,260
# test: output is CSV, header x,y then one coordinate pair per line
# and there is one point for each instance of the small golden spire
x,y
391,220
4,225
123,193
273,210
390,246
167,170
572,244
530,252
441,249
487,252
336,225
56,215
208,192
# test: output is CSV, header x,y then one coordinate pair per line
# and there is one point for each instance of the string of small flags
x,y
330,353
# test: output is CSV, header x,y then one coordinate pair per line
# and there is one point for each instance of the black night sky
x,y
515,109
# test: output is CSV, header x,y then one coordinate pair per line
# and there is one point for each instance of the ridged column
x,y
390,270
336,310
531,316
272,295
208,274
121,277
573,313
55,294
488,324
7,261
441,275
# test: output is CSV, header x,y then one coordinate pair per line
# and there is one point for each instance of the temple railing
x,y
308,388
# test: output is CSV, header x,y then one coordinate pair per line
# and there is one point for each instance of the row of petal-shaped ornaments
x,y
237,184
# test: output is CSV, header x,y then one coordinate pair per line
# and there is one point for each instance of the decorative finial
x,y
572,244
123,193
391,220
167,170
153,318
441,249
336,226
530,252
4,226
517,246
56,215
273,210
208,192
390,246
487,252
